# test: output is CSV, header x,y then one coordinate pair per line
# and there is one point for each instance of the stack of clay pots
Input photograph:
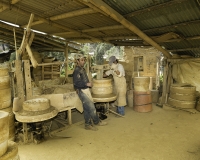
x,y
182,96
8,149
5,99
142,95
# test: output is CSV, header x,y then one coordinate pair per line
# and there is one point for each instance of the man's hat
x,y
112,59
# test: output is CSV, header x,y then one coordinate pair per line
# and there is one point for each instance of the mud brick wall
x,y
150,58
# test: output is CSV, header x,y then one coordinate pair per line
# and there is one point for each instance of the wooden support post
x,y
69,114
42,72
20,82
66,59
27,74
165,75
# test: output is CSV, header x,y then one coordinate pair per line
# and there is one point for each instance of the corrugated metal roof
x,y
153,17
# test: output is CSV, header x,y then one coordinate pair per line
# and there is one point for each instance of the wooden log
x,y
27,79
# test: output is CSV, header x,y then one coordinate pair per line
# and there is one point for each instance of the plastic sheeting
x,y
187,72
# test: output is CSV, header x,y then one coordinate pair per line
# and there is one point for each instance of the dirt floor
x,y
158,135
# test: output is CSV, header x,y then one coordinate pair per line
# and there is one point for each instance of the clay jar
x,y
102,86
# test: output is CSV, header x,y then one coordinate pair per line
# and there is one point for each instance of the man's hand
x,y
89,84
117,72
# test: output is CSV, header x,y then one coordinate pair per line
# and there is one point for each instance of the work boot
x,y
90,127
101,123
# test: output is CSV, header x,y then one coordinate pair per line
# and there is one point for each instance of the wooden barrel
x,y
102,86
4,132
142,101
141,84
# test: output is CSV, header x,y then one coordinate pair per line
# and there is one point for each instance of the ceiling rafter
x,y
2,8
119,18
46,20
152,8
66,15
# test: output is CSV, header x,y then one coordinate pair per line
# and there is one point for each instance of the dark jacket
x,y
80,78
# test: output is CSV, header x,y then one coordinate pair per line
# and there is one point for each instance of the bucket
x,y
141,84
142,101
4,131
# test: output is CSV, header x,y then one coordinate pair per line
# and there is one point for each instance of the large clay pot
x,y
4,82
4,131
3,71
5,98
102,86
141,84
11,122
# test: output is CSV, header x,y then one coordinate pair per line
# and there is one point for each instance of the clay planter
x,y
181,104
102,86
38,104
4,131
11,122
5,98
12,152
4,82
3,71
141,84
183,90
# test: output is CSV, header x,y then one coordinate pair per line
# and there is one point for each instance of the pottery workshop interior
x,y
99,79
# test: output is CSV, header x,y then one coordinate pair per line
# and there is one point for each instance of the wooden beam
x,y
155,7
3,8
67,15
94,29
66,60
21,11
119,18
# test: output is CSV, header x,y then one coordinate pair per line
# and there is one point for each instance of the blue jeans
x,y
121,110
89,109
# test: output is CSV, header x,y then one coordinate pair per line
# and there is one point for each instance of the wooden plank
x,y
20,81
165,74
28,79
42,72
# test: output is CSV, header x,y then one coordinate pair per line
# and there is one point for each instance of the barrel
x,y
4,131
141,84
142,101
102,86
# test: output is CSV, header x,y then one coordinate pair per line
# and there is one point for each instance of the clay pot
x,y
141,84
102,86
4,131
